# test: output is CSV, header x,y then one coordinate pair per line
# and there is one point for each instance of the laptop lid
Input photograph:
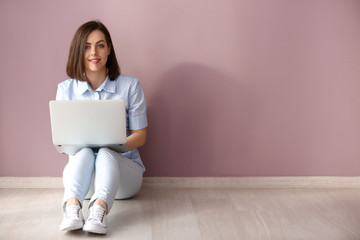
x,y
88,123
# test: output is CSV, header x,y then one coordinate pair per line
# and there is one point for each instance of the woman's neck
x,y
95,79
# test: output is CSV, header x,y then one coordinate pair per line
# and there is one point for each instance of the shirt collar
x,y
107,85
83,86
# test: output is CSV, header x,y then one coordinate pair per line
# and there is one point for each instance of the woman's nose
x,y
93,51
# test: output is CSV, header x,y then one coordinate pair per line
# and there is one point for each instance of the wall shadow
x,y
198,124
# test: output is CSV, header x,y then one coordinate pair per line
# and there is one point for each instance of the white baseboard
x,y
202,182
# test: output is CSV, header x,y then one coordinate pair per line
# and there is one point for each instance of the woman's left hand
x,y
136,139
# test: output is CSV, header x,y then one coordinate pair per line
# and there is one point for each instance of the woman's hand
x,y
136,139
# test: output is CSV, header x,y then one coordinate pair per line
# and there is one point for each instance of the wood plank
x,y
172,215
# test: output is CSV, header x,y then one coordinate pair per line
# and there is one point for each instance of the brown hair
x,y
75,67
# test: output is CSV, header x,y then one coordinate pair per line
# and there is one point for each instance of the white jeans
x,y
113,176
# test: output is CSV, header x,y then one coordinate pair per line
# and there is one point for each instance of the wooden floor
x,y
319,214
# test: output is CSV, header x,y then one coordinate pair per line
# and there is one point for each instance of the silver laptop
x,y
88,123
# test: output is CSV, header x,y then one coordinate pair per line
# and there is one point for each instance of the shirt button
x,y
97,95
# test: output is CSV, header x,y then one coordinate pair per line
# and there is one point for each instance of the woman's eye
x,y
101,46
87,47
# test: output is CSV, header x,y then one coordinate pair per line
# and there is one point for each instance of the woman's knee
x,y
106,151
106,160
83,159
106,154
84,153
103,150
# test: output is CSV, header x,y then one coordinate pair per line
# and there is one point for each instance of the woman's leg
x,y
131,177
77,175
111,171
115,177
107,177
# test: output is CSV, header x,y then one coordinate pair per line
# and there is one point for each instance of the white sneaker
x,y
73,218
96,222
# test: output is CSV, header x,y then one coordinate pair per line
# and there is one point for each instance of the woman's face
x,y
96,52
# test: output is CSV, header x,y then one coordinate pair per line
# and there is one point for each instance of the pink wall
x,y
234,87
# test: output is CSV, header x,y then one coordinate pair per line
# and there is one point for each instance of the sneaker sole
x,y
97,230
71,227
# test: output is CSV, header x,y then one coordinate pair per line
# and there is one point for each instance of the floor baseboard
x,y
202,182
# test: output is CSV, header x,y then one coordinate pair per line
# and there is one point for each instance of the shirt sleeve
x,y
137,107
60,93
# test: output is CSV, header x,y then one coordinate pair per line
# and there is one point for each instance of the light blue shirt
x,y
123,87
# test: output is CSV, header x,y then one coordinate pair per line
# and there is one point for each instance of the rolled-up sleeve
x,y
137,107
60,93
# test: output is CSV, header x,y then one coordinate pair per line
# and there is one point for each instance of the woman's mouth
x,y
94,60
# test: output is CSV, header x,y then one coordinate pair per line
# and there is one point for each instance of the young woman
x,y
95,75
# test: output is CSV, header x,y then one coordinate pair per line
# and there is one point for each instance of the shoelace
x,y
97,214
72,212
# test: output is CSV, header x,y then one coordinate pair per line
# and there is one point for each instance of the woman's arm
x,y
136,139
